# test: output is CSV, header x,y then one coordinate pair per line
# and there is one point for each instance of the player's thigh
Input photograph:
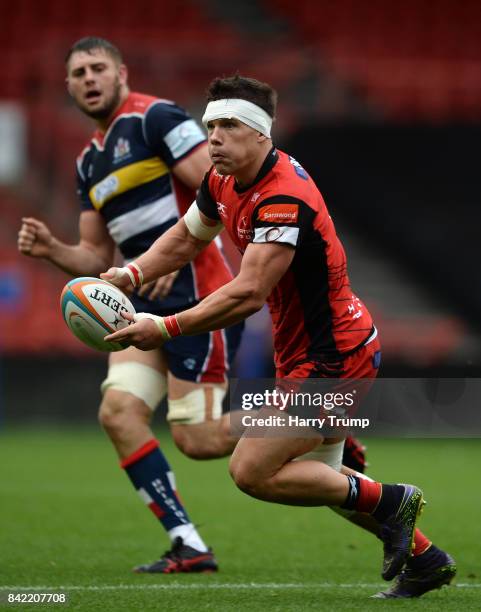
x,y
261,458
136,381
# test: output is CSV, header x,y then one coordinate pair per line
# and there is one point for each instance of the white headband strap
x,y
235,108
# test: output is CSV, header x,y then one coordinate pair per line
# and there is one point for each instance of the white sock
x,y
189,535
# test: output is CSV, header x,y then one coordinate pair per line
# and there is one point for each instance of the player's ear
x,y
261,137
67,84
123,74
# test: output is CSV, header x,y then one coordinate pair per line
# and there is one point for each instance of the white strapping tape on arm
x,y
197,227
135,274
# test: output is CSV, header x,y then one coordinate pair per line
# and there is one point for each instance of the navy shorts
x,y
204,358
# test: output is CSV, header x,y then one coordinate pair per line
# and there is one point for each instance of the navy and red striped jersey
x,y
315,314
126,175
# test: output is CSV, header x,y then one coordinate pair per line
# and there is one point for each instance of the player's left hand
x,y
143,333
159,288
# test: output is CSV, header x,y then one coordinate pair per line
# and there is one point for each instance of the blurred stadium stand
x,y
410,194
411,59
381,101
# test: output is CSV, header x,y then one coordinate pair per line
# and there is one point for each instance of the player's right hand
x,y
34,238
127,278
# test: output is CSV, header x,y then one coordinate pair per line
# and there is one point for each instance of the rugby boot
x,y
416,581
181,558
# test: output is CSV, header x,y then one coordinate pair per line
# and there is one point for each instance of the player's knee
x,y
203,441
115,410
244,477
198,406
189,444
225,430
196,422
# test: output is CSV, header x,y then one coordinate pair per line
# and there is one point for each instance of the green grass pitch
x,y
69,520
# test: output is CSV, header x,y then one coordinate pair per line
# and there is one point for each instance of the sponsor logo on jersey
x,y
183,137
221,209
188,128
355,308
106,188
222,177
282,213
298,168
255,197
121,150
273,234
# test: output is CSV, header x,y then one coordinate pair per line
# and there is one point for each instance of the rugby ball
x,y
91,309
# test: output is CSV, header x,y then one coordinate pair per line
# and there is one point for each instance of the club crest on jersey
x,y
121,150
243,229
298,168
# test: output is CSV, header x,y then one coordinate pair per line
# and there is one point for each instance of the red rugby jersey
x,y
314,312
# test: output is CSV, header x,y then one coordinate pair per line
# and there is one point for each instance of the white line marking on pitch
x,y
235,585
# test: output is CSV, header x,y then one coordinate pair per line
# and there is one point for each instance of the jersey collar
x,y
269,162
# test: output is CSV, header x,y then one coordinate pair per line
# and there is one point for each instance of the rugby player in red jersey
x,y
137,175
293,259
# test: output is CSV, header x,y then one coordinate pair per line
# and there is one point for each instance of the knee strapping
x,y
330,454
202,404
140,380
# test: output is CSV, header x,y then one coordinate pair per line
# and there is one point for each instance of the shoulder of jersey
x,y
136,104
288,168
84,152
141,103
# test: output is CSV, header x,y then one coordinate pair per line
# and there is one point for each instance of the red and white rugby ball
x,y
91,309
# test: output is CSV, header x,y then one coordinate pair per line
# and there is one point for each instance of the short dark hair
x,y
244,88
90,43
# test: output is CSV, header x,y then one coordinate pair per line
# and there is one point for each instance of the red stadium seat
x,y
408,57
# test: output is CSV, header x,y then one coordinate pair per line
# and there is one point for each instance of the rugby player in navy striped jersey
x,y
136,177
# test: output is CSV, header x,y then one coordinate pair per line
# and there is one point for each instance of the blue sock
x,y
432,557
150,473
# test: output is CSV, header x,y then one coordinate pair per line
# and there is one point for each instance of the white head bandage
x,y
234,108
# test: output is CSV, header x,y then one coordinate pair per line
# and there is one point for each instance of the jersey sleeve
x,y
282,219
205,202
171,132
83,191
